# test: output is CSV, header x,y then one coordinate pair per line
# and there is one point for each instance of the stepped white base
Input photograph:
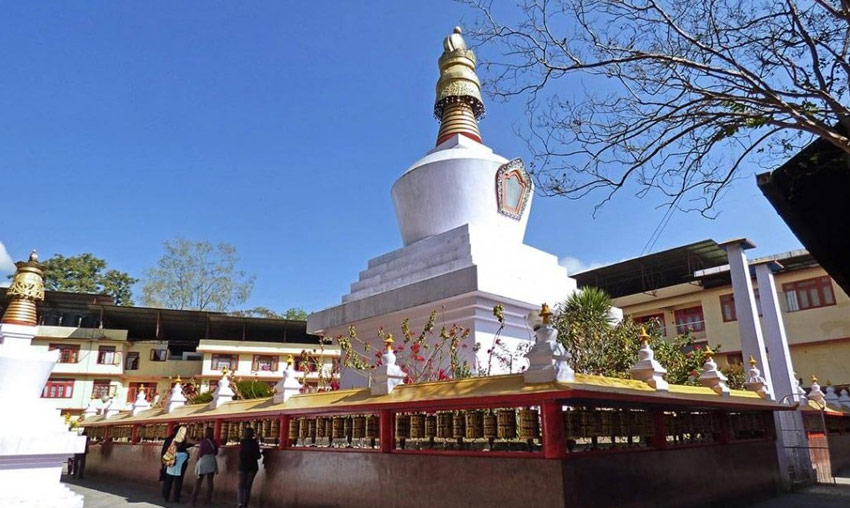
x,y
34,482
462,274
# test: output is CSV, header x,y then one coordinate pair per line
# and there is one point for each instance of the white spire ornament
x,y
176,398
830,397
141,403
711,376
844,399
647,368
755,382
388,375
548,361
288,385
815,393
223,392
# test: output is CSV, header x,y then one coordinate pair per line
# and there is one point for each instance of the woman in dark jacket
x,y
172,476
249,454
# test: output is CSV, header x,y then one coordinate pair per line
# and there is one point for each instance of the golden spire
x,y
290,360
752,361
27,287
388,342
458,104
545,313
707,354
644,337
814,379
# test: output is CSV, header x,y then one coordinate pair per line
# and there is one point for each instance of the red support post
x,y
283,440
554,438
217,432
386,422
659,424
134,436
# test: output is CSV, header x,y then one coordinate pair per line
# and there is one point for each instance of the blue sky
x,y
277,128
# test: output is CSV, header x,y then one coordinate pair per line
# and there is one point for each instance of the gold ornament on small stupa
x,y
644,337
458,105
290,360
388,342
545,313
708,354
26,289
752,361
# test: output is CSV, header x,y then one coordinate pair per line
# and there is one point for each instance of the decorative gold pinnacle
x,y
644,337
290,360
752,361
707,354
458,104
814,379
388,342
545,313
179,381
26,289
224,371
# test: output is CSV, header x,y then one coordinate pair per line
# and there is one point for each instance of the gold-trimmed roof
x,y
453,394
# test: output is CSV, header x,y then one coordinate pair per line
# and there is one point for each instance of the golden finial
x,y
752,361
828,382
388,342
26,289
708,353
643,336
458,104
224,370
179,381
290,360
814,379
545,313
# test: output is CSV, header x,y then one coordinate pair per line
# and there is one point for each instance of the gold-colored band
x,y
21,312
458,118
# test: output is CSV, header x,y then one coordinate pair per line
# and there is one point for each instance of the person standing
x,y
206,466
176,460
249,454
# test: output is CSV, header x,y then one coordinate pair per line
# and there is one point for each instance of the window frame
x,y
275,363
233,362
821,285
133,391
682,328
153,356
131,355
66,385
729,299
647,319
66,347
101,354
101,383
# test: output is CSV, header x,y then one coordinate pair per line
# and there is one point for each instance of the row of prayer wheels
x,y
592,422
121,433
95,434
333,428
265,430
692,423
153,432
748,425
469,424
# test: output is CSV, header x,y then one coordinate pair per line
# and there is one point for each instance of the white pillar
x,y
791,439
752,342
223,393
388,375
141,403
288,385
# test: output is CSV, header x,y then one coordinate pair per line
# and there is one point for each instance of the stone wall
x,y
691,476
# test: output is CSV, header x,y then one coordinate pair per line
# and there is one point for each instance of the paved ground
x,y
123,496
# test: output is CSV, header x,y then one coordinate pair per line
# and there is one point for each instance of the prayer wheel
x,y
490,426
606,423
474,424
223,432
417,426
431,426
329,425
338,427
293,431
372,427
529,425
444,425
507,424
359,427
311,429
348,427
402,426
274,432
320,428
303,428
459,425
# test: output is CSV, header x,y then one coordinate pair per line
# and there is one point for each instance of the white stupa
x,y
34,439
462,210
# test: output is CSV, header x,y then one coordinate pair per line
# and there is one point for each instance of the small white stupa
x,y
462,212
34,439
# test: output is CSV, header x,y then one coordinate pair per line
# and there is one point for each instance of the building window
x,y
305,365
133,391
727,306
652,320
689,320
735,358
68,353
101,389
58,389
809,294
159,355
132,362
231,362
264,363
106,355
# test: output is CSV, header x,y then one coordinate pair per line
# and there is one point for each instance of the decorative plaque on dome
x,y
513,186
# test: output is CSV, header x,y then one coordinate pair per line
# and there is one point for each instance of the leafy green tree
x,y
85,273
294,313
252,389
196,276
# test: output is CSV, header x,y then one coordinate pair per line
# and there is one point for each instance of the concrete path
x,y
98,495
116,495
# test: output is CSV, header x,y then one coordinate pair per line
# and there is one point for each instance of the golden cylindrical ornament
x,y
444,425
490,426
417,426
338,427
459,425
431,426
320,428
359,427
529,427
507,423
294,428
402,426
329,425
348,424
303,428
372,427
275,429
474,424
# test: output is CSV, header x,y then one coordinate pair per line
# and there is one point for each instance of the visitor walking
x,y
175,459
206,466
249,454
